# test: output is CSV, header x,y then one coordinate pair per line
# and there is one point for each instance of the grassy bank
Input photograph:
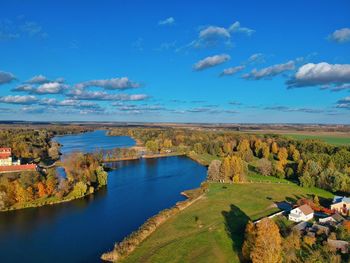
x,y
211,229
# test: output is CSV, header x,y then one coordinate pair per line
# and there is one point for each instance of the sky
x,y
175,61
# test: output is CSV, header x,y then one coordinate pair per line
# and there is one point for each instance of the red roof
x,y
4,155
18,168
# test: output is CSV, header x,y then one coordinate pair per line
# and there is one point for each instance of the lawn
x,y
212,229
334,140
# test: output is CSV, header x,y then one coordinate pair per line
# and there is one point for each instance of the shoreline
x,y
134,239
46,202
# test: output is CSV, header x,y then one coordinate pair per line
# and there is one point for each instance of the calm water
x,y
79,231
91,141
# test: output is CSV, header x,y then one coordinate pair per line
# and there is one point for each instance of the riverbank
x,y
53,200
131,242
145,156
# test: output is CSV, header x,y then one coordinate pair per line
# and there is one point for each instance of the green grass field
x,y
334,140
212,229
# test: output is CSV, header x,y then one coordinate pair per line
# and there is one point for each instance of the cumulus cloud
x,y
6,77
46,88
167,21
320,74
110,84
28,99
50,88
256,58
41,79
80,94
212,35
236,27
232,70
270,72
340,35
211,62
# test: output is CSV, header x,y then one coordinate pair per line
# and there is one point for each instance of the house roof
x,y
338,217
4,155
338,199
306,209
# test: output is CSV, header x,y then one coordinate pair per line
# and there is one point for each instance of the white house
x,y
301,213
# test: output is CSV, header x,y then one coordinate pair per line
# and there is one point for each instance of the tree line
x,y
309,162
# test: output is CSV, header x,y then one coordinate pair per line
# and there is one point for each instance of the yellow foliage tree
x,y
267,244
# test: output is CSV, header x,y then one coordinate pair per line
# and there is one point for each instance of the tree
x,y
79,189
167,143
264,167
267,242
316,201
274,148
101,176
306,180
213,173
249,239
282,154
198,148
225,169
295,155
152,146
265,150
244,150
41,189
238,169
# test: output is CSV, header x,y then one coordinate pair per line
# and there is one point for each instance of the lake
x,y
81,230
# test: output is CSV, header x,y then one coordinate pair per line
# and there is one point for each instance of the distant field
x,y
212,229
334,140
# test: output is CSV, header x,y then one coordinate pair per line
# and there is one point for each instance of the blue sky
x,y
178,61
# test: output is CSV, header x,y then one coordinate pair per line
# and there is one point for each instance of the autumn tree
x,y
41,189
265,151
264,166
274,148
225,169
249,239
267,243
238,169
213,173
244,150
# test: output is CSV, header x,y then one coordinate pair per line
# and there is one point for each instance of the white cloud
x,y
6,77
320,74
232,70
269,72
28,99
340,35
236,27
344,103
110,84
39,79
212,35
211,61
80,94
213,32
50,88
167,21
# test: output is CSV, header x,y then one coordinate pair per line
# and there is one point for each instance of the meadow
x,y
212,229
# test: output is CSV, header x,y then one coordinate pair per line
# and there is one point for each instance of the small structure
x,y
301,213
341,204
319,229
301,226
6,157
334,219
339,245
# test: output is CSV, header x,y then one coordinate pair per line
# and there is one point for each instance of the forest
x,y
307,162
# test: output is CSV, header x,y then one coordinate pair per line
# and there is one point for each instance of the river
x,y
81,230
